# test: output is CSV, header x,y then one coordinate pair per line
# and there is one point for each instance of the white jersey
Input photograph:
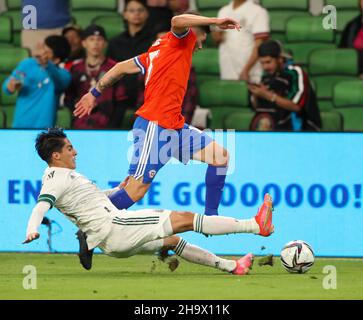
x,y
237,47
80,200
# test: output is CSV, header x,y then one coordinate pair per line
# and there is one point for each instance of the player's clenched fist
x,y
85,105
228,23
30,237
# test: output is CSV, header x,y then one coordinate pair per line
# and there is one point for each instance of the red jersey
x,y
166,67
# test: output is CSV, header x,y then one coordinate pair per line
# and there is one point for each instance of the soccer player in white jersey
x,y
121,233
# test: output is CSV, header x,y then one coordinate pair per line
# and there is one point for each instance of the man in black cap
x,y
86,73
284,100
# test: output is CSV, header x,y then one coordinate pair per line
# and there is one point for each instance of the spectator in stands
x,y
52,17
85,74
73,34
160,15
135,40
352,37
238,58
284,100
39,82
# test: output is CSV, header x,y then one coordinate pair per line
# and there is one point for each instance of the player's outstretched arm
x,y
35,221
88,101
184,21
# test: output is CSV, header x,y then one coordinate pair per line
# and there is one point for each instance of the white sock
x,y
215,225
198,255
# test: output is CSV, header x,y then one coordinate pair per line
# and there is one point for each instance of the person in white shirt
x,y
121,233
238,51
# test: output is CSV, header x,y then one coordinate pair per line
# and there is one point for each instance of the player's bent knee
x,y
221,157
182,221
171,242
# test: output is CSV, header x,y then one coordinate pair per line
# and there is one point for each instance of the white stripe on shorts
x,y
146,150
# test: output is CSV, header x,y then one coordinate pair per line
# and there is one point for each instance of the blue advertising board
x,y
315,180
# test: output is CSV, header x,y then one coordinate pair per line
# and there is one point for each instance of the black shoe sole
x,y
85,255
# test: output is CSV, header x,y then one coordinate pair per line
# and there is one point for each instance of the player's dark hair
x,y
48,142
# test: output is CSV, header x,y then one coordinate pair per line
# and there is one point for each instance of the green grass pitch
x,y
60,276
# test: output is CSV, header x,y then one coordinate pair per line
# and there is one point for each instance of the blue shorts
x,y
154,146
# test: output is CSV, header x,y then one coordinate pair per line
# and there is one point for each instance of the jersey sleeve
x,y
298,88
184,40
261,25
142,62
54,185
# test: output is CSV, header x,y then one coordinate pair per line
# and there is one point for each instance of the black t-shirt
x,y
124,47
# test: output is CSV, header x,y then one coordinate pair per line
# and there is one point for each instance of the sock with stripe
x,y
214,181
224,225
198,255
121,200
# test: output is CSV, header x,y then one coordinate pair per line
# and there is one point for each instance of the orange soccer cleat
x,y
244,265
264,217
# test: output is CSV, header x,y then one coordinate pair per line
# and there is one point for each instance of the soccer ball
x,y
297,256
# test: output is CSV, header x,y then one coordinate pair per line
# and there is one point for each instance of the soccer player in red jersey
x,y
160,124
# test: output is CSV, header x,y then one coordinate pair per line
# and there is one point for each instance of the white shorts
x,y
130,230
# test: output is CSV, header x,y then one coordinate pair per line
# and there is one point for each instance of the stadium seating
x,y
211,4
206,64
215,93
223,97
10,57
327,67
113,25
6,100
9,114
84,11
6,31
348,94
84,18
240,120
331,121
64,118
280,11
210,8
16,18
348,100
13,4
305,34
14,13
2,119
110,5
347,10
352,119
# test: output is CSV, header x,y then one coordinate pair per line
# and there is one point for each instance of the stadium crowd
x,y
67,60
